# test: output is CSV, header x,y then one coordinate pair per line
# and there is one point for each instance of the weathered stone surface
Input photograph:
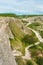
x,y
6,57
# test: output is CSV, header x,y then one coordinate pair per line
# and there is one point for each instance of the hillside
x,y
25,39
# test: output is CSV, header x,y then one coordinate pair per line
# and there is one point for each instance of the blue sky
x,y
21,6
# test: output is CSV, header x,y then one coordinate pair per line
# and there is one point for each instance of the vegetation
x,y
20,61
41,33
26,16
8,15
37,53
36,48
15,29
25,22
34,25
30,62
17,16
21,40
39,60
17,44
29,39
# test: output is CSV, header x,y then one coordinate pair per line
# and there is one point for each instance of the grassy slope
x,y
16,42
18,35
20,41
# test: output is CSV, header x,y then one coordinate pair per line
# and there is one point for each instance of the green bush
x,y
30,62
29,39
39,60
41,33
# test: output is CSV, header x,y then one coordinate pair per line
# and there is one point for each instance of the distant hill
x,y
8,14
18,16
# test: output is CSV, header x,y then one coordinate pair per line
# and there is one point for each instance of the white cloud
x,y
21,6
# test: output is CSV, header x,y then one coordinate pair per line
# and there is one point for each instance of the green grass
x,y
17,44
30,62
41,45
19,38
41,33
20,61
18,35
29,39
15,30
39,60
18,41
34,25
35,49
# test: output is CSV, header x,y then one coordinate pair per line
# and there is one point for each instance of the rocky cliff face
x,y
6,57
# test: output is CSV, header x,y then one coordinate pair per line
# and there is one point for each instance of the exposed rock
x,y
6,57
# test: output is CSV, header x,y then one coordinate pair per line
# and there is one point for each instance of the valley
x,y
24,37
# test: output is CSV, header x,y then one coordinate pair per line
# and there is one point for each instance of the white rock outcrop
x,y
6,57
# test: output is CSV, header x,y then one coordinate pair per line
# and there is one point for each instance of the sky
x,y
21,6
